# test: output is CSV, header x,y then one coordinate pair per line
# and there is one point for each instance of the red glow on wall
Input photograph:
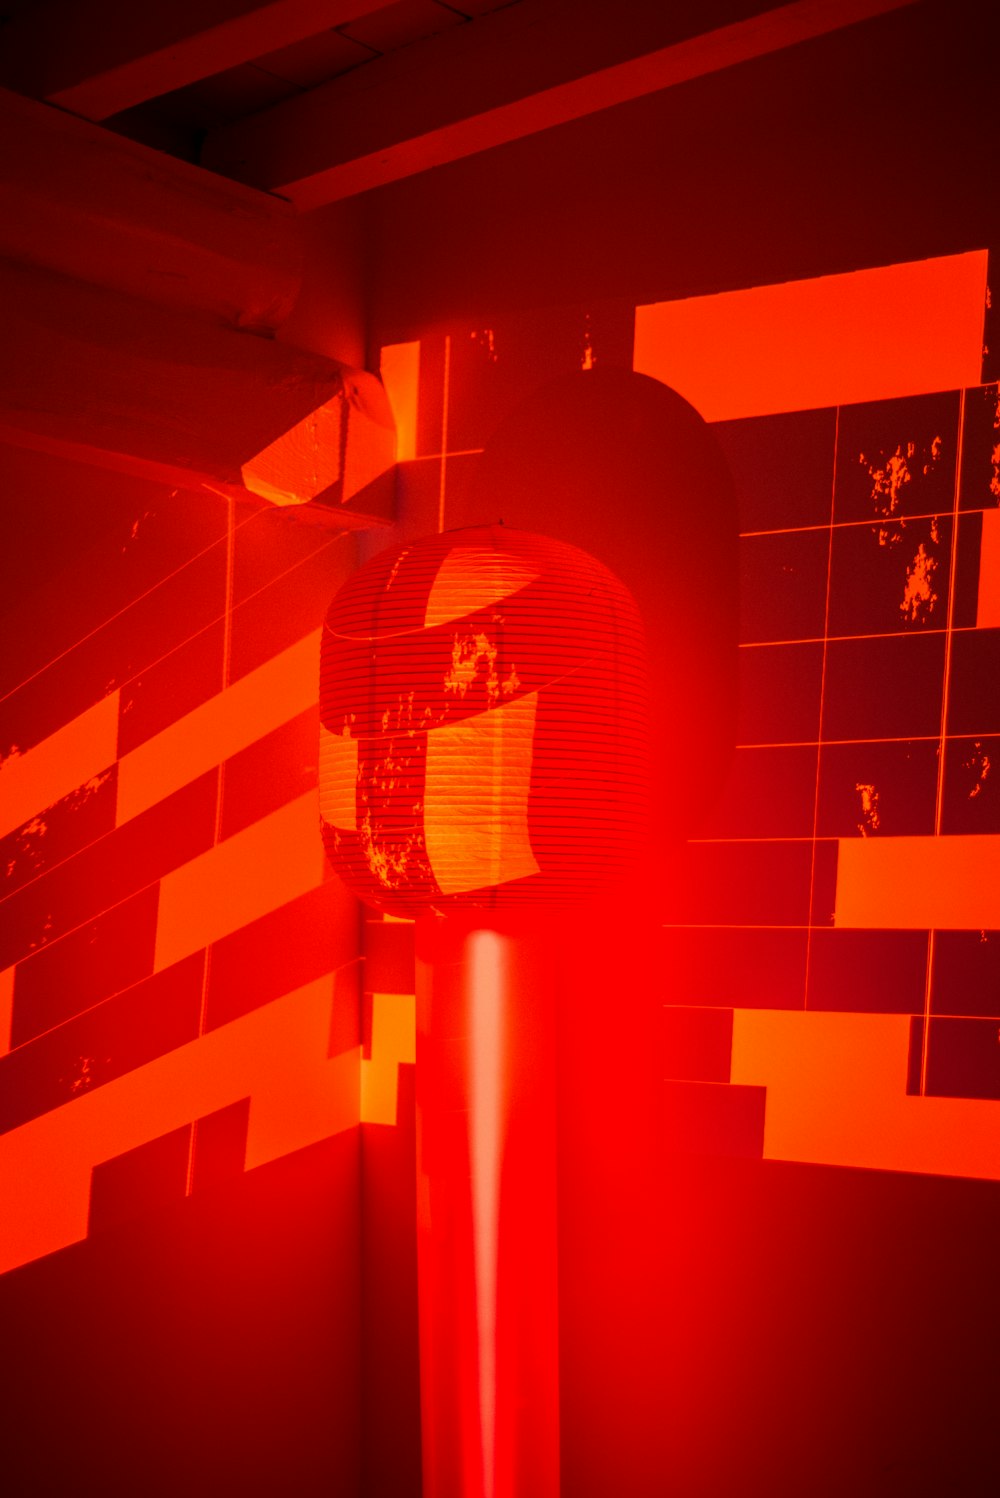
x,y
487,1206
484,743
487,1065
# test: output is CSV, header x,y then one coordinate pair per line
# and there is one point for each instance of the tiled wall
x,y
179,970
836,913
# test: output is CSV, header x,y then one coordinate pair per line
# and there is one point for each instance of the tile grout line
x,y
822,691
227,651
139,597
444,429
819,728
943,735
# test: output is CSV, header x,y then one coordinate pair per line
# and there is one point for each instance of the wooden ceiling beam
x,y
507,75
97,57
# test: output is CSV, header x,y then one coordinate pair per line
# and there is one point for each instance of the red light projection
x,y
484,743
485,753
486,1060
484,733
399,368
487,1207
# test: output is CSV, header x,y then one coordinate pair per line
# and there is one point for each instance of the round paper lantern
x,y
484,737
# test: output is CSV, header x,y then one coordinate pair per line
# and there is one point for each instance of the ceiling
x,y
318,100
177,120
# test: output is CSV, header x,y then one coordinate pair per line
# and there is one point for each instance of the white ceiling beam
x,y
116,382
80,200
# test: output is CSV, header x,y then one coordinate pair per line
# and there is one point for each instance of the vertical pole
x,y
486,1212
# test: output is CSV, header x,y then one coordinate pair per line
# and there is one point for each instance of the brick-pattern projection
x,y
179,969
181,993
830,949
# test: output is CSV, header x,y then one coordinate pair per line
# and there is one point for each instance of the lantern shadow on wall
x,y
510,756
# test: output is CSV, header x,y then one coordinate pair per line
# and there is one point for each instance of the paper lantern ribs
x,y
484,725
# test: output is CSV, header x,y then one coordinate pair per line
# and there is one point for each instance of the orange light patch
x,y
980,765
68,758
253,872
476,799
871,818
471,578
338,779
399,366
394,1041
262,700
303,461
919,595
6,1007
276,1056
836,1095
869,335
988,612
919,883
